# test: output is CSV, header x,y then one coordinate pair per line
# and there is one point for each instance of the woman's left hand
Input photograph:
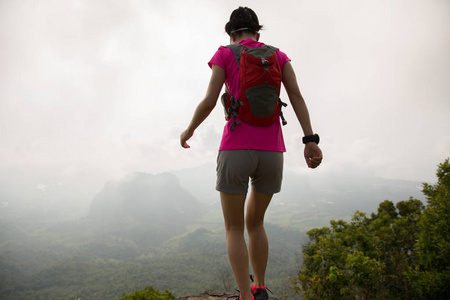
x,y
313,155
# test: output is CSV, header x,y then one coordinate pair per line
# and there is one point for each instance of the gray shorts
x,y
235,167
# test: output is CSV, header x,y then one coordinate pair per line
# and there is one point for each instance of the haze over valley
x,y
157,229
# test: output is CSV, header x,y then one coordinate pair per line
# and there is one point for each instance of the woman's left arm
x,y
205,106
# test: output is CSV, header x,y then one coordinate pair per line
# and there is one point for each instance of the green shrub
x,y
148,293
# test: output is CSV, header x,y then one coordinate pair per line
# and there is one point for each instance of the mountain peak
x,y
144,196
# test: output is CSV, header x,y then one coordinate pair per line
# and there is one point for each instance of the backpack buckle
x,y
265,63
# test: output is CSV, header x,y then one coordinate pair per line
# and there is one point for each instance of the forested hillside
x,y
163,241
47,261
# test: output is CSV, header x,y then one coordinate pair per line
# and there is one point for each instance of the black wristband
x,y
311,138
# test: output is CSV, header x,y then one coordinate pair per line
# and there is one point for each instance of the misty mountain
x,y
311,199
145,197
201,182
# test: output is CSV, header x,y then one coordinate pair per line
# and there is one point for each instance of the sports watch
x,y
311,138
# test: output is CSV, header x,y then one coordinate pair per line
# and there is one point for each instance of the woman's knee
x,y
235,227
254,224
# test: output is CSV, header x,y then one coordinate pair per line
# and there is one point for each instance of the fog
x,y
92,91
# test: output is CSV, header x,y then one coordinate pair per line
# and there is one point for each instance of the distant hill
x,y
145,197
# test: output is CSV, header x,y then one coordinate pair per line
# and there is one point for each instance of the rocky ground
x,y
212,295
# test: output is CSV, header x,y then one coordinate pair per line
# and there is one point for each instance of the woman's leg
x,y
233,213
258,243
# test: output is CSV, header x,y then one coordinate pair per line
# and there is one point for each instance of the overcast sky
x,y
110,85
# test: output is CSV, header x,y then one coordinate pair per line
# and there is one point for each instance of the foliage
x,y
400,252
148,293
431,276
66,298
364,259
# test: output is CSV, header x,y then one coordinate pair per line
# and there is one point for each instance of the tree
x,y
400,252
366,258
431,276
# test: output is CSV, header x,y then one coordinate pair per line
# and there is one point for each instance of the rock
x,y
212,295
208,295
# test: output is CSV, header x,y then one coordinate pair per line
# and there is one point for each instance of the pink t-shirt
x,y
246,136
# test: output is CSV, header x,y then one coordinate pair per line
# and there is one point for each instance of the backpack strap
x,y
237,50
233,110
282,104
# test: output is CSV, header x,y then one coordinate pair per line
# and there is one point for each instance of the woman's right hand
x,y
185,135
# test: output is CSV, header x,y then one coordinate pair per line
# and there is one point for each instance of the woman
x,y
248,151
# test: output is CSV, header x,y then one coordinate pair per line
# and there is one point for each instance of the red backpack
x,y
259,102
